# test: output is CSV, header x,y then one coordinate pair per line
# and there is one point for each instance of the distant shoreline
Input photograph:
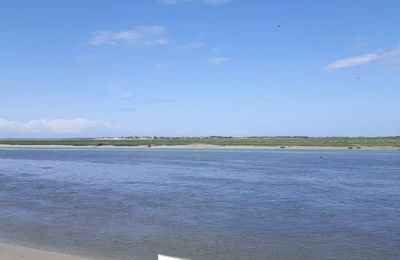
x,y
325,143
199,146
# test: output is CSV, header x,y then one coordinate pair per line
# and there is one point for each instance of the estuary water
x,y
202,204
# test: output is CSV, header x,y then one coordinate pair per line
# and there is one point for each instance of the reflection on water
x,y
203,204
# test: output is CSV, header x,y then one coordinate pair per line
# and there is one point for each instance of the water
x,y
202,204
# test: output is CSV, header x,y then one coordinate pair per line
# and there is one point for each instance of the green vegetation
x,y
251,141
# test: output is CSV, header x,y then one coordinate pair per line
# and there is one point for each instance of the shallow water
x,y
202,204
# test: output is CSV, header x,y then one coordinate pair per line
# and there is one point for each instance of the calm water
x,y
203,204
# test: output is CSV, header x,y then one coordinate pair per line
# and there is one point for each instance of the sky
x,y
74,68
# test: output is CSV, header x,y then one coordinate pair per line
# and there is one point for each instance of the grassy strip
x,y
281,141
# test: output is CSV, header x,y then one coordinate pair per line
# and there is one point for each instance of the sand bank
x,y
9,252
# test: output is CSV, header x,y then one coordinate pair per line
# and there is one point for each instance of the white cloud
x,y
7,125
207,2
363,59
353,61
53,126
139,36
218,59
392,53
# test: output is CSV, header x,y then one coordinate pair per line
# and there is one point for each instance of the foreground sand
x,y
8,252
200,146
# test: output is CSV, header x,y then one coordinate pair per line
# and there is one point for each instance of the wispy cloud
x,y
86,57
216,2
52,126
138,36
353,61
166,64
218,60
171,2
6,124
363,59
207,2
359,43
194,45
392,53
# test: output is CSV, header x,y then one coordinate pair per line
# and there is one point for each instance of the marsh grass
x,y
253,141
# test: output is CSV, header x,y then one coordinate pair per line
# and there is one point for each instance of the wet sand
x,y
9,252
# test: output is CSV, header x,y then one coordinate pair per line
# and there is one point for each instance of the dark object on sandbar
x,y
350,147
282,147
99,144
149,145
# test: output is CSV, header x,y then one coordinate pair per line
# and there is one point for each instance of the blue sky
x,y
199,67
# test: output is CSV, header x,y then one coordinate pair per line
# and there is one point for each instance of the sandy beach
x,y
9,252
199,146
